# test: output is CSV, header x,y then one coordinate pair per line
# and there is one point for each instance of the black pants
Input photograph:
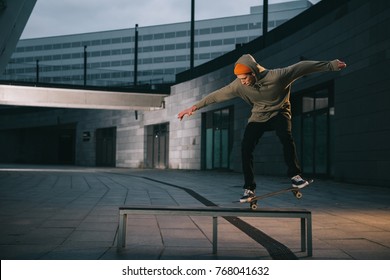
x,y
281,124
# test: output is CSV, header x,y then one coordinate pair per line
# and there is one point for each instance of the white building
x,y
163,50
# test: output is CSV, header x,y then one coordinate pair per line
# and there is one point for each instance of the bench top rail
x,y
214,211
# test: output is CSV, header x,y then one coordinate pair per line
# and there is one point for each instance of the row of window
x,y
149,37
108,64
105,75
105,53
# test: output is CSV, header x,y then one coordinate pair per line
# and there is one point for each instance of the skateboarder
x,y
268,92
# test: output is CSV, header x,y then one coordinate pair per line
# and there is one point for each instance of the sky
x,y
53,18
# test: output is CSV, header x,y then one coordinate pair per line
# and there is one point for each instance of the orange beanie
x,y
240,69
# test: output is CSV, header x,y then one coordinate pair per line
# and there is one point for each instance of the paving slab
x,y
69,212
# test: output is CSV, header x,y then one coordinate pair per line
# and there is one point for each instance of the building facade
x,y
163,50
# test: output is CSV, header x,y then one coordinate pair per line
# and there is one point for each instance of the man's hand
x,y
341,64
188,112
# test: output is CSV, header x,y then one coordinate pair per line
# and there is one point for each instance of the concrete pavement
x,y
57,212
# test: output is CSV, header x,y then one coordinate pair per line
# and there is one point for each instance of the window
x,y
242,27
313,115
147,61
158,60
229,28
181,58
116,40
127,51
170,35
158,36
256,25
147,49
216,42
158,48
169,71
204,31
181,33
126,62
204,56
124,40
147,37
204,44
169,47
181,46
216,30
95,54
95,65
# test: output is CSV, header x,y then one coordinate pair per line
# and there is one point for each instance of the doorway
x,y
157,146
106,147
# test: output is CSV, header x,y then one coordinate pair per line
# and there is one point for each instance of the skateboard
x,y
296,192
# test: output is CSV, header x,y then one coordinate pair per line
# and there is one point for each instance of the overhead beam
x,y
79,98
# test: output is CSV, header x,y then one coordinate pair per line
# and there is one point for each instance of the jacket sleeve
x,y
295,71
226,93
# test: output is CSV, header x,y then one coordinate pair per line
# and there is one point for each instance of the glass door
x,y
217,139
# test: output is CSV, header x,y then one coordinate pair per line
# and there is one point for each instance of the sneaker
x,y
298,182
248,194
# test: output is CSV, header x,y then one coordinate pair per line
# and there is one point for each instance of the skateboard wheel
x,y
254,206
298,195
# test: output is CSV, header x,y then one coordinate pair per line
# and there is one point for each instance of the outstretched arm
x,y
295,71
220,95
188,112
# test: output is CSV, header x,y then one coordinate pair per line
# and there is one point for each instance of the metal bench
x,y
215,212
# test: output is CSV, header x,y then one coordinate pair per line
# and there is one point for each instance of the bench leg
x,y
121,242
306,236
215,234
303,234
309,237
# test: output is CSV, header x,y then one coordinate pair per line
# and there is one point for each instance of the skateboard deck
x,y
296,192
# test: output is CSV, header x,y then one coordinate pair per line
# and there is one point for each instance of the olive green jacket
x,y
270,94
